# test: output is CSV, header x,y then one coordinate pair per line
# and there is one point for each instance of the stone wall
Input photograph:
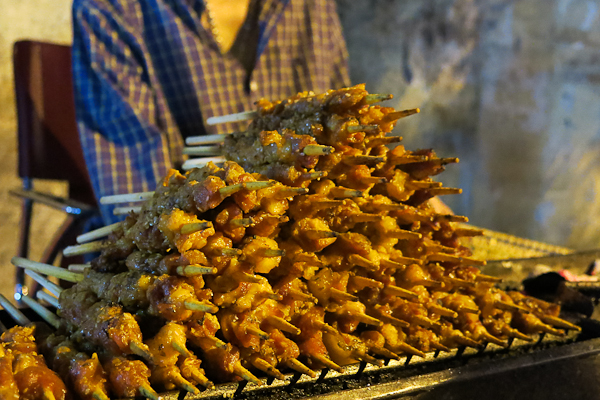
x,y
511,87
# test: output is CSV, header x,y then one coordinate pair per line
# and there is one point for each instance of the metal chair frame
x,y
48,145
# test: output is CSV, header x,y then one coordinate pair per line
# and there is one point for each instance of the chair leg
x,y
23,250
63,236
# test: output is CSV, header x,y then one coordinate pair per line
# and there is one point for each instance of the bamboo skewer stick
x,y
206,139
366,160
140,349
422,185
289,192
372,180
400,264
376,98
445,312
442,191
48,298
393,290
213,152
382,141
407,159
309,176
317,150
144,196
315,234
340,295
13,311
271,252
283,325
203,150
237,117
393,116
40,310
362,128
443,161
258,332
78,268
245,374
126,198
226,251
340,192
199,306
453,218
256,185
98,233
487,278
190,270
247,115
193,227
365,282
365,217
86,248
149,393
199,162
561,323
299,367
49,270
267,368
47,394
467,232
50,286
364,318
504,305
326,362
457,282
126,210
367,358
382,351
272,296
404,234
325,327
241,222
444,257
363,262
299,296
241,276
393,320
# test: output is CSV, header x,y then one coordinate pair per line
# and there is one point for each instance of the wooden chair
x,y
48,144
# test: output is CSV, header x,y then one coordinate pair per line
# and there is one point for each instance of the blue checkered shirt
x,y
148,74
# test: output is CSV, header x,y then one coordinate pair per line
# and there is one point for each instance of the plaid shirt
x,y
148,74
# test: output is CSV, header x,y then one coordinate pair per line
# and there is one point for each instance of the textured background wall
x,y
511,87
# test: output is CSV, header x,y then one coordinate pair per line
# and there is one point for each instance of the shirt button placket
x,y
253,87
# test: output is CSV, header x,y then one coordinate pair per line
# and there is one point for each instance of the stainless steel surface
x,y
518,269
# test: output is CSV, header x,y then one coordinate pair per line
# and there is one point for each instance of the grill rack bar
x,y
407,375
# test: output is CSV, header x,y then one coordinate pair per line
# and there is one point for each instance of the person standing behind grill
x,y
148,73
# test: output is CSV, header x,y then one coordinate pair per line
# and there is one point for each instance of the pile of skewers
x,y
301,244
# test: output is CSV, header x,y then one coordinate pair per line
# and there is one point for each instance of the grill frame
x,y
401,378
412,375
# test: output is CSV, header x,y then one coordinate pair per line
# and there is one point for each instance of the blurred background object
x,y
511,87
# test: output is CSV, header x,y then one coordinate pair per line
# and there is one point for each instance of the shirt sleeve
x,y
340,76
123,122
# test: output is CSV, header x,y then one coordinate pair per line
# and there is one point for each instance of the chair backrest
x,y
49,145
